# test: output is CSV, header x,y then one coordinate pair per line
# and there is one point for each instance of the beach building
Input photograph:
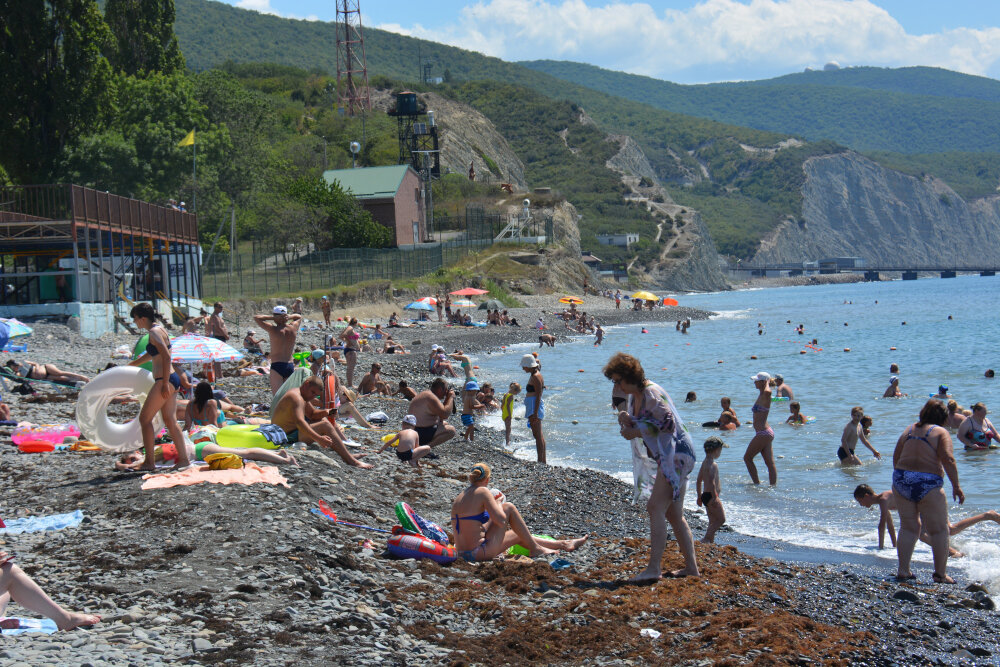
x,y
70,251
392,195
622,240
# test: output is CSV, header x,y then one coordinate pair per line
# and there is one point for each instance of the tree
x,y
57,84
144,39
339,221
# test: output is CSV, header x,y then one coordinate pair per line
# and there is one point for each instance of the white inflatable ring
x,y
96,396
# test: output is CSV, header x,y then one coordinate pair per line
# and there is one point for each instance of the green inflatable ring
x,y
518,550
243,435
140,349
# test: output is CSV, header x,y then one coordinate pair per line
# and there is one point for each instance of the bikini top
x,y
151,349
220,418
760,408
481,518
910,436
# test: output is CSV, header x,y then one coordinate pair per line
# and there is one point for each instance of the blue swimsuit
x,y
914,486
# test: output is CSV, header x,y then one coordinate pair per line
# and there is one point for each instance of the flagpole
x,y
194,175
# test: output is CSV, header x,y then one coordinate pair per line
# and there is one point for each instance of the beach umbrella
x,y
16,327
463,303
492,304
428,299
468,291
4,334
645,296
669,302
571,299
194,349
418,305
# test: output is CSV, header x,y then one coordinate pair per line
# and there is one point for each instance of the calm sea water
x,y
812,504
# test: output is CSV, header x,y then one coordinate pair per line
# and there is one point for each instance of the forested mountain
x,y
913,110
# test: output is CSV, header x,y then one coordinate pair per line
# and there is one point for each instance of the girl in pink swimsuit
x,y
763,433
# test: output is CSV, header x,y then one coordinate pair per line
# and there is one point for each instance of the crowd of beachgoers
x,y
384,411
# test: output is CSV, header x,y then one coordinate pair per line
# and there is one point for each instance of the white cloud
x,y
711,39
264,7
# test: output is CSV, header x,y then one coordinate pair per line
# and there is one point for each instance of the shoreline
x,y
249,572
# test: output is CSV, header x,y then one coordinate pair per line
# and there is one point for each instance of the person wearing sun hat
x,y
282,329
763,438
534,409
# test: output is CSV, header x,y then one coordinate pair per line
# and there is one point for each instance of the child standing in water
x,y
507,407
708,488
469,407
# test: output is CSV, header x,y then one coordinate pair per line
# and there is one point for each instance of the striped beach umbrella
x,y
16,327
463,303
194,349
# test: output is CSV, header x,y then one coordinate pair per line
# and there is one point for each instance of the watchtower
x,y
417,138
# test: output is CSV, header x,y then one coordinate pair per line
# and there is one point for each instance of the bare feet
x,y
993,515
542,551
76,620
942,579
647,576
287,455
145,468
685,572
359,464
573,545
907,576
954,553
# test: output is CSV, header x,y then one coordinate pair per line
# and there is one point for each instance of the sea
x,y
939,332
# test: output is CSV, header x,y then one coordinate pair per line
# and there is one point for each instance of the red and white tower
x,y
352,70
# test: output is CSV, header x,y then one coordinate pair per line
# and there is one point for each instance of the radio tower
x,y
352,70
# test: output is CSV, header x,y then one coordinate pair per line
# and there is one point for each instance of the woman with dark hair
x,y
29,370
500,524
653,417
923,456
204,409
162,398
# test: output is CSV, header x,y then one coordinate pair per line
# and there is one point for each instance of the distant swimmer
x,y
599,333
886,502
942,394
893,368
892,391
547,339
976,430
796,417
989,373
849,439
955,415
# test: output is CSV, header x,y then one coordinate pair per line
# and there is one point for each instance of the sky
x,y
694,41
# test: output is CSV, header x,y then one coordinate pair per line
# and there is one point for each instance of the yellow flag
x,y
188,140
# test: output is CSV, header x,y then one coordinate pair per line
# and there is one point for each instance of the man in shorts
x,y
295,415
849,439
432,407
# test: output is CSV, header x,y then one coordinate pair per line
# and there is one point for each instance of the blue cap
x,y
943,389
471,385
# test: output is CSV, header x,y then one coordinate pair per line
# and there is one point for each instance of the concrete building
x,y
392,195
622,240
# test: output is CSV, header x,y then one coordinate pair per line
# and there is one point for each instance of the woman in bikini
x,y
204,409
976,430
651,415
485,528
29,370
162,398
763,434
351,348
923,456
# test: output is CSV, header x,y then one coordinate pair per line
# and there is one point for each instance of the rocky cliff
x,y
855,207
688,260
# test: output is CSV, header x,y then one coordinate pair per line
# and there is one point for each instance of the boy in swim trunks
x,y
796,417
507,408
849,439
886,502
708,488
469,407
406,443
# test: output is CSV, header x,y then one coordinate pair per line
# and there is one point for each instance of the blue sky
x,y
695,41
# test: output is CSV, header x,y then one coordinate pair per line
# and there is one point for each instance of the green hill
x,y
913,110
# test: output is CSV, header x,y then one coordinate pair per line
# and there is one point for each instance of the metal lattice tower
x,y
352,69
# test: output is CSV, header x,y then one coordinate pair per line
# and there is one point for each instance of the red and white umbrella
x,y
429,300
194,349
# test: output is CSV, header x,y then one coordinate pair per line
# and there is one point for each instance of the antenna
x,y
352,69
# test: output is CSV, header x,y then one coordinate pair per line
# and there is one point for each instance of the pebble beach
x,y
233,574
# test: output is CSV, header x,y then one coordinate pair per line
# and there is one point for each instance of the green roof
x,y
369,182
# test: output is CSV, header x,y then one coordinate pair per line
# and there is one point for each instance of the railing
x,y
74,203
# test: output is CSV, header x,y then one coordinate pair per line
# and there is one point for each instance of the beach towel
x,y
37,524
274,434
43,625
251,474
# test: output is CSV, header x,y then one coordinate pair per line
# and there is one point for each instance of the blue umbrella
x,y
16,328
418,305
4,334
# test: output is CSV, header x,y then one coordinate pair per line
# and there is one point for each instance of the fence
x,y
270,269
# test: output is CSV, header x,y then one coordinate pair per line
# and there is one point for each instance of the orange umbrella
x,y
571,299
468,291
669,302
